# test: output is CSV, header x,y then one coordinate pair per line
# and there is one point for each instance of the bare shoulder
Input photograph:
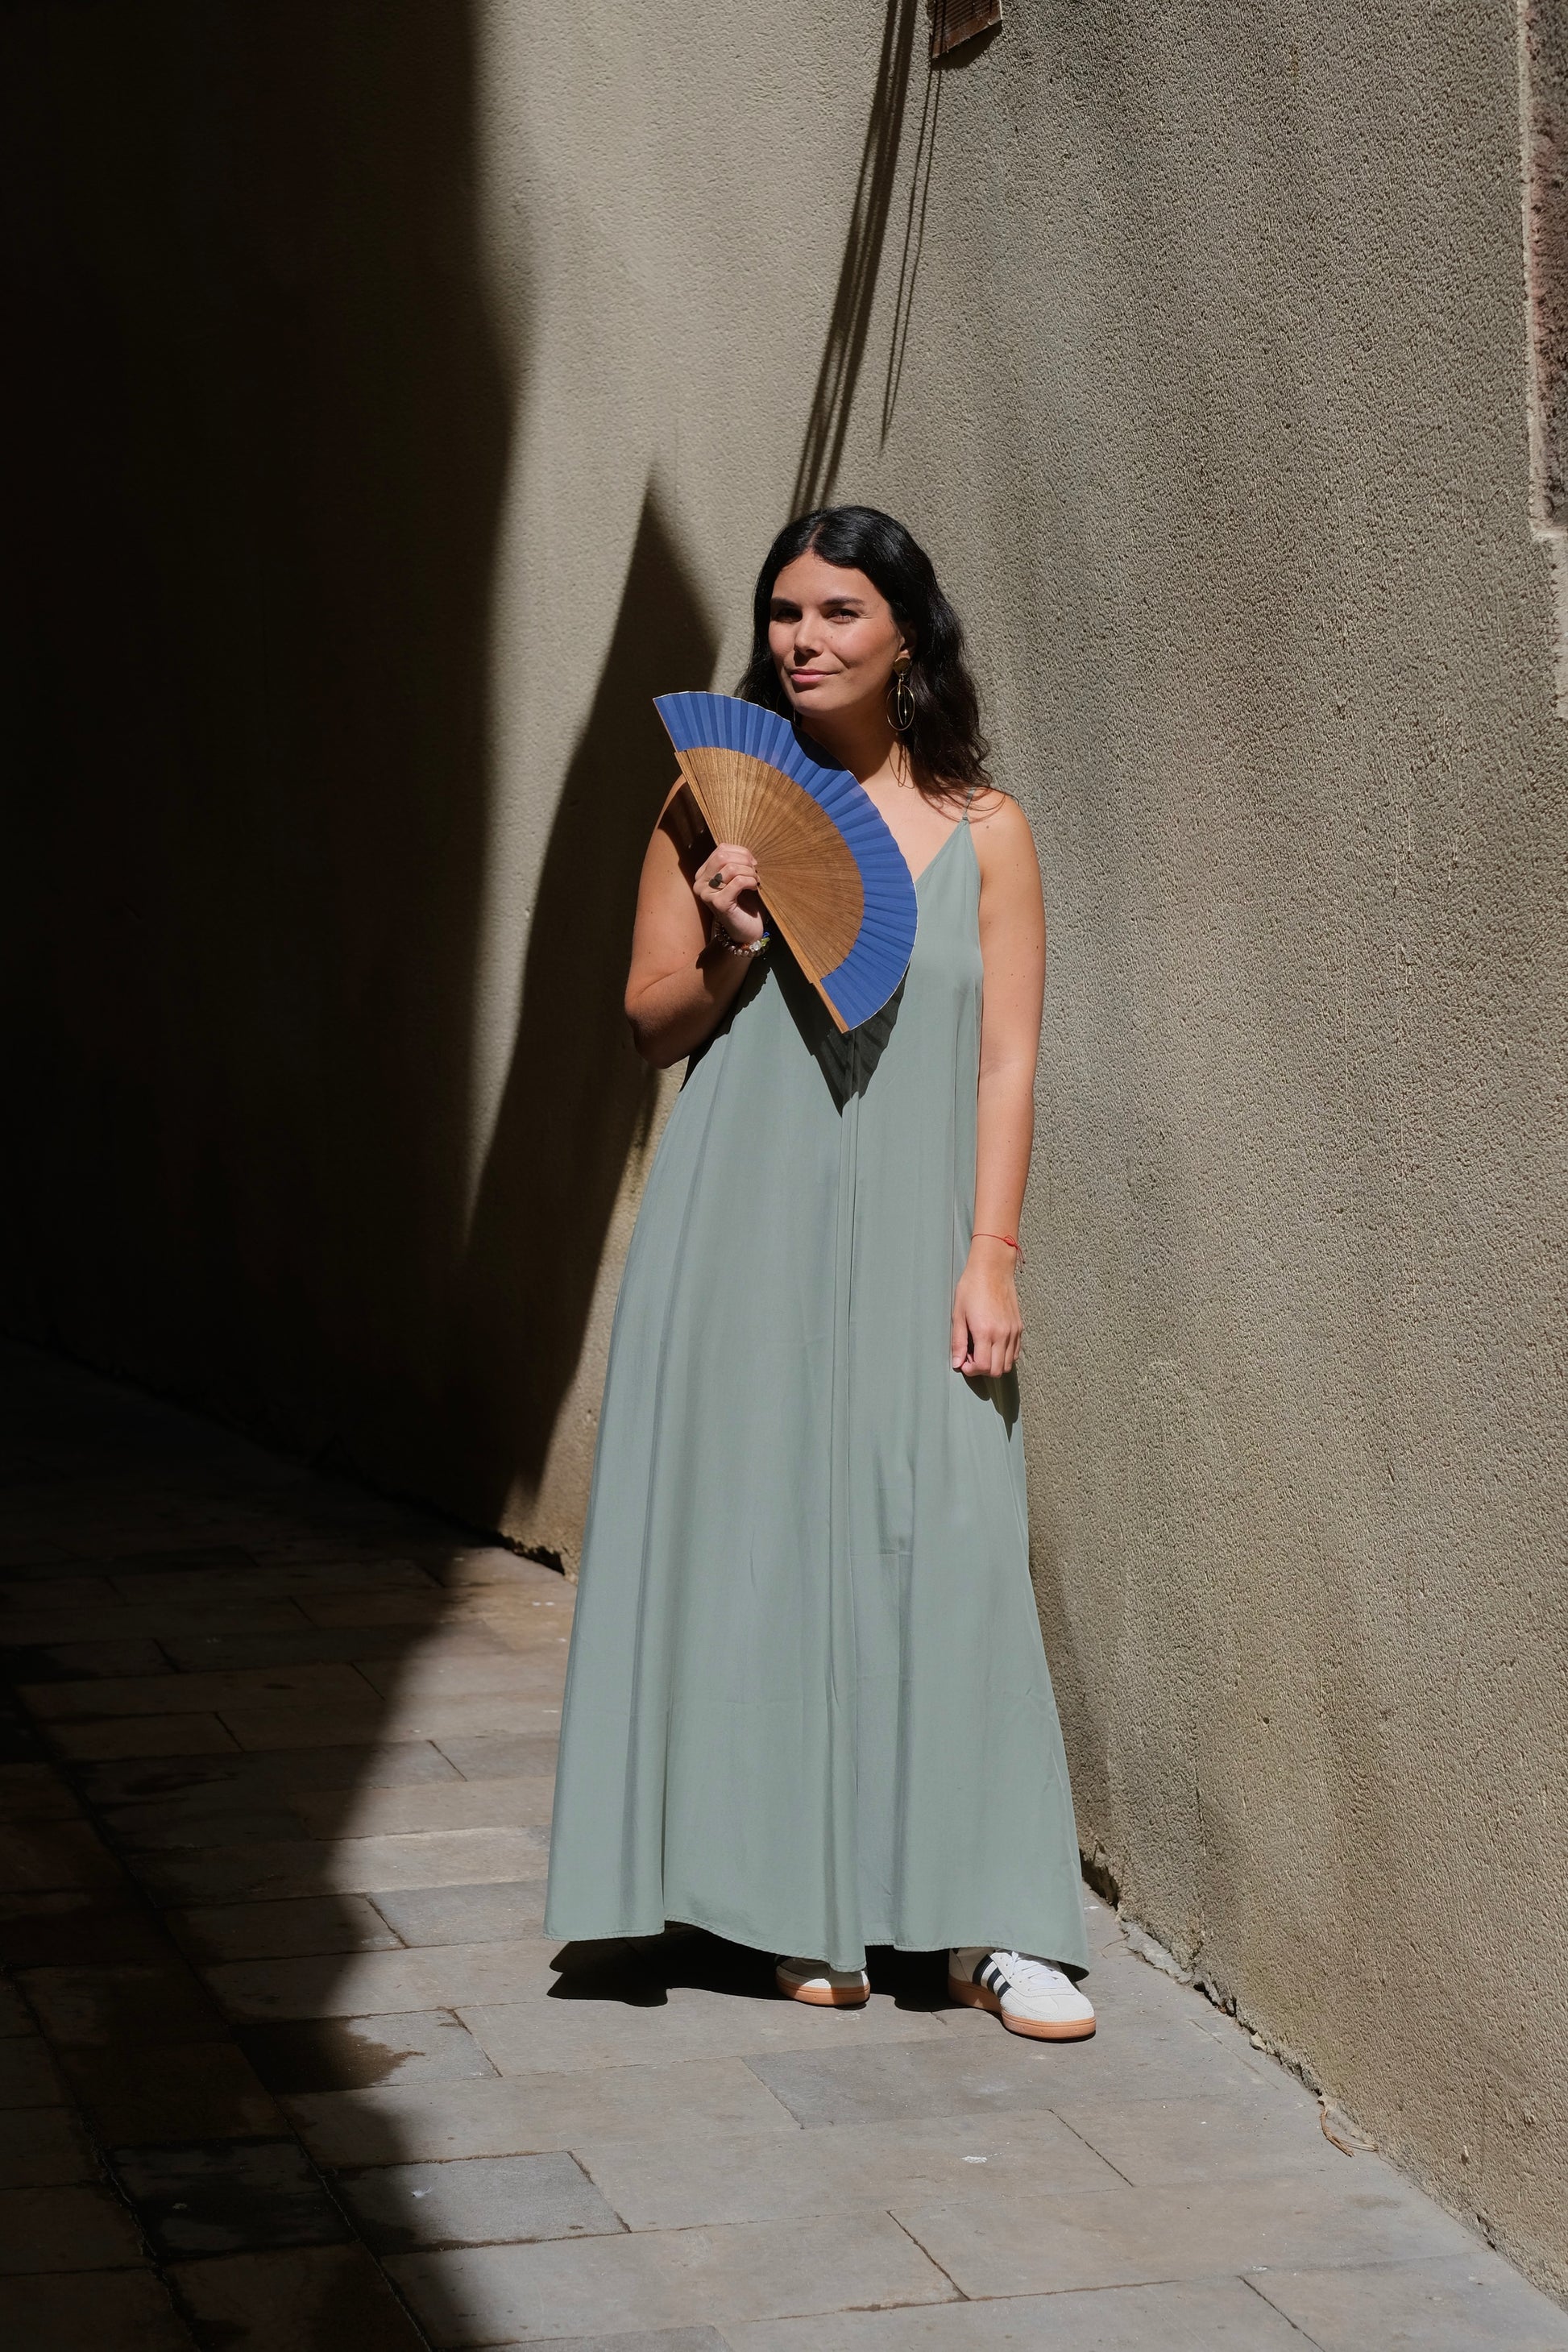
x,y
1002,840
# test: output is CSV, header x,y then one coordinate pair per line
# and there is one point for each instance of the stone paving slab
x,y
528,1677
677,2179
62,1926
307,1926
44,2148
1030,2241
1162,2143
53,1855
1193,2315
220,2196
326,1687
104,2310
29,2076
43,1619
83,2006
79,2228
371,1764
660,2339
287,2065
201,1819
676,2278
150,1735
310,2299
374,1984
264,1728
34,1792
235,1648
967,2074
296,1867
499,1754
478,2201
134,2098
578,2033
534,2112
1469,2302
496,1803
415,1607
75,1659
349,2053
464,1915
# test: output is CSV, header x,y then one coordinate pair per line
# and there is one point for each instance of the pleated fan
x,y
829,872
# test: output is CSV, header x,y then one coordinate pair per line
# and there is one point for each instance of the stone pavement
x,y
286,2064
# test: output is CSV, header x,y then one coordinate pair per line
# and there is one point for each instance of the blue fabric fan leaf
x,y
833,878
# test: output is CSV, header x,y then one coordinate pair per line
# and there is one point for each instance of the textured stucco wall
x,y
412,395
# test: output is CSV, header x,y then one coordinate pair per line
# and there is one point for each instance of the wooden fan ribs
x,y
835,881
806,870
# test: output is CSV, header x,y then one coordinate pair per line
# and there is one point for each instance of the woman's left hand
x,y
987,1323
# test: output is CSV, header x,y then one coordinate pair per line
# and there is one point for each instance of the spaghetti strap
x,y
968,796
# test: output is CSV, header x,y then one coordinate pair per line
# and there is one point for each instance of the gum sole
x,y
831,1995
975,1996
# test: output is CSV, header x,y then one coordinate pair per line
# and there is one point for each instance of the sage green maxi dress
x,y
807,1706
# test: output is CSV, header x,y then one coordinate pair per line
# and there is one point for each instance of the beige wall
x,y
411,398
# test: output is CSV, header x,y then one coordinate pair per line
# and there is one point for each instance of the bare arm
x,y
683,979
987,1324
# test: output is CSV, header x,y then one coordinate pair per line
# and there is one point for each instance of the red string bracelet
x,y
1008,1239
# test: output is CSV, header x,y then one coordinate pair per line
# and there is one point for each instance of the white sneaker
x,y
824,1987
1029,1995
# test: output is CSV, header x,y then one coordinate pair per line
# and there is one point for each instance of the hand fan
x,y
833,878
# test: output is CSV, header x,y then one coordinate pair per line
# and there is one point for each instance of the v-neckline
x,y
960,826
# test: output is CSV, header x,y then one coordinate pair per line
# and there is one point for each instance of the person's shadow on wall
x,y
577,1101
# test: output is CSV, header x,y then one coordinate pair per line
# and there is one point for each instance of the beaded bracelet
x,y
738,946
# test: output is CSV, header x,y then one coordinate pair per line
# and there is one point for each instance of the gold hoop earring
x,y
903,701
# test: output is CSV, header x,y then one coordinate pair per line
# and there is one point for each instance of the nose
x,y
806,638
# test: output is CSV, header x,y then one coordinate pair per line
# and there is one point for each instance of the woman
x,y
807,1706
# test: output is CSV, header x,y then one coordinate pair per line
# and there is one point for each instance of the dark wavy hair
x,y
944,746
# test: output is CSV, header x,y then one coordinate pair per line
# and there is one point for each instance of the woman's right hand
x,y
683,980
725,886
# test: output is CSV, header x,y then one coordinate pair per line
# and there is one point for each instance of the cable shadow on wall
x,y
913,247
849,320
577,1101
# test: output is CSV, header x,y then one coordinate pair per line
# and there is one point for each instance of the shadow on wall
x,y
577,1101
849,321
860,271
256,476
257,437
258,441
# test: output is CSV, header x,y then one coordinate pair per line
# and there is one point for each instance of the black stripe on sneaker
x,y
991,1978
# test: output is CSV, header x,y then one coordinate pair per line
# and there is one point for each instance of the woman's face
x,y
833,638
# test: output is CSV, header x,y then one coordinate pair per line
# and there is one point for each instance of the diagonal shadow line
x,y
850,318
914,246
578,1103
